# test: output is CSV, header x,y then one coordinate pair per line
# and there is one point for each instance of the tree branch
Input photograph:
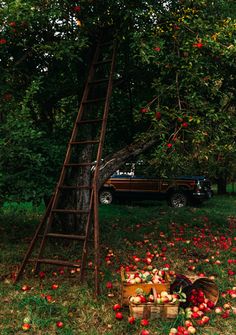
x,y
114,162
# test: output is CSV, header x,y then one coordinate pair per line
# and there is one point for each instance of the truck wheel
x,y
106,197
178,200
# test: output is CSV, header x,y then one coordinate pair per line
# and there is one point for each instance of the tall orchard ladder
x,y
72,213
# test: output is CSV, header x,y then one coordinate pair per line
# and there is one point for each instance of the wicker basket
x,y
152,310
209,288
128,290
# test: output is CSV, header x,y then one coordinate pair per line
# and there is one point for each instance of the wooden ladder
x,y
80,172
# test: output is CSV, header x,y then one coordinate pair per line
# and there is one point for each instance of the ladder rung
x,y
93,101
78,164
85,142
98,81
105,61
102,44
74,187
66,236
69,211
90,121
55,262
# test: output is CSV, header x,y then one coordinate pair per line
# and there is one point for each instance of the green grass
x,y
181,236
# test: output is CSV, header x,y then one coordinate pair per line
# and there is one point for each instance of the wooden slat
x,y
66,236
84,142
106,61
78,164
90,121
74,187
98,81
94,101
69,211
55,262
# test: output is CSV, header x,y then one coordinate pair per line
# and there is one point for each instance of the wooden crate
x,y
128,290
154,311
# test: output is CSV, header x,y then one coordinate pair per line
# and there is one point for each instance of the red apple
x,y
41,274
54,286
116,307
195,315
188,323
109,285
60,324
119,316
25,288
144,322
131,320
205,319
210,304
26,326
158,115
144,332
144,110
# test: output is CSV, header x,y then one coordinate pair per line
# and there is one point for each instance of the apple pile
x,y
154,276
187,329
197,298
162,298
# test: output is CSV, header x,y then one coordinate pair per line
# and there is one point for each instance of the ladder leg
x,y
29,251
85,246
96,245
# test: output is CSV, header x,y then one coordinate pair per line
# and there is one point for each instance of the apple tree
x,y
174,93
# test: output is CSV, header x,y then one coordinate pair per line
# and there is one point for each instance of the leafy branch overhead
x,y
174,86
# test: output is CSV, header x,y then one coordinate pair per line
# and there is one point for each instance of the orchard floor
x,y
192,241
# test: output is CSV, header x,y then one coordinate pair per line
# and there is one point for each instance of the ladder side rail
x,y
96,174
87,230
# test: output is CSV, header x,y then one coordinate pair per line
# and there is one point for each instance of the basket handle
x,y
122,274
154,294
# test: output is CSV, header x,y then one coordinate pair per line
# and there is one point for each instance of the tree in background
x,y
175,91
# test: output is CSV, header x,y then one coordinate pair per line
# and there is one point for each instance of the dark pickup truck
x,y
177,191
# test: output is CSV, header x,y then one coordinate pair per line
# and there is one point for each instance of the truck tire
x,y
106,197
178,199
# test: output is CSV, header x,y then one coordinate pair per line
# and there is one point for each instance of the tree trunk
x,y
80,199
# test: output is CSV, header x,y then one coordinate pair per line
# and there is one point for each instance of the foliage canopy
x,y
175,71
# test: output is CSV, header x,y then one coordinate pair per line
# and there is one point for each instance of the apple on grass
x,y
218,310
144,322
26,326
60,324
119,316
25,288
144,332
131,320
191,330
54,286
116,307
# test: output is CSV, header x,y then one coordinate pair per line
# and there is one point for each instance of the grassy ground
x,y
202,239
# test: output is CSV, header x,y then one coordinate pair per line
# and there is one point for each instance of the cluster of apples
x,y
187,329
154,276
162,298
197,298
